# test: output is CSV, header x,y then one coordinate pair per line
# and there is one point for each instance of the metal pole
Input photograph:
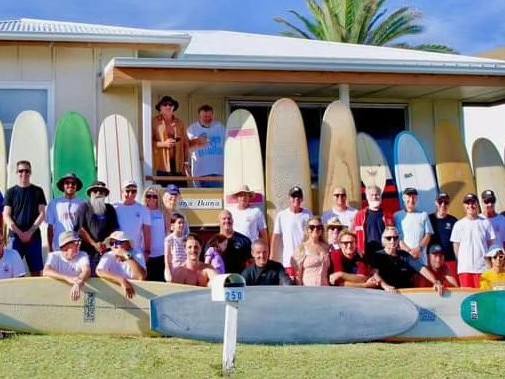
x,y
230,337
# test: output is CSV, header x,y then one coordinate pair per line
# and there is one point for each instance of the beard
x,y
98,205
374,204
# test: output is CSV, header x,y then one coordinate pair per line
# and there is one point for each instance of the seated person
x,y
494,278
264,272
192,272
122,263
333,229
437,265
69,264
11,264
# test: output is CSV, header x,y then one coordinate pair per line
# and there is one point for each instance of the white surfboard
x,y
243,164
413,169
118,157
374,169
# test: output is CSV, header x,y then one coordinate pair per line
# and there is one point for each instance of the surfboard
x,y
118,157
439,316
413,169
43,305
243,164
73,151
29,142
287,158
268,315
485,312
373,167
489,170
3,160
338,157
454,173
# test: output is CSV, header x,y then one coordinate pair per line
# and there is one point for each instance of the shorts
x,y
31,251
469,280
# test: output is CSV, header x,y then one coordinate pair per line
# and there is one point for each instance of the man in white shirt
x,y
497,220
11,264
345,214
206,142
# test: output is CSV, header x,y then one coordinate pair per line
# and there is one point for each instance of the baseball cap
x,y
172,189
296,192
436,249
410,191
443,196
129,183
488,195
470,198
494,250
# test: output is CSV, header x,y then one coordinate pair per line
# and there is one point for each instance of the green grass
x,y
32,356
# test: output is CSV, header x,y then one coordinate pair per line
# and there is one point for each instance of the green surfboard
x,y
73,152
485,311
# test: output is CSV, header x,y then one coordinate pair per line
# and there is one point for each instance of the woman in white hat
x,y
494,278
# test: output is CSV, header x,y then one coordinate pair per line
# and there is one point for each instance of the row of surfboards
x,y
267,315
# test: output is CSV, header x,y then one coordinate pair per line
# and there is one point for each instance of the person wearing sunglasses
x,y
494,277
345,213
333,229
69,264
24,211
61,213
311,260
395,268
471,236
497,220
160,227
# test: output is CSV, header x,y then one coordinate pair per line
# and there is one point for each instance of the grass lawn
x,y
34,356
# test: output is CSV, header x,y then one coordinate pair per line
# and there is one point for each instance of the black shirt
x,y
24,203
271,275
396,270
442,229
237,253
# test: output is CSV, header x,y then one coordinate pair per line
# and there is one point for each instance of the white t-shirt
x,y
177,249
109,263
131,218
346,217
473,237
60,264
61,214
413,226
292,226
498,223
207,160
157,233
250,222
11,265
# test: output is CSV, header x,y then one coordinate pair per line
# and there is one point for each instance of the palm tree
x,y
360,22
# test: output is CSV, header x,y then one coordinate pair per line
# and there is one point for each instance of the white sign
x,y
201,203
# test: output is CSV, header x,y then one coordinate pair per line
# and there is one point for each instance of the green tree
x,y
359,21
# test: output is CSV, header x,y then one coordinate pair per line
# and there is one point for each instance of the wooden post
x,y
230,337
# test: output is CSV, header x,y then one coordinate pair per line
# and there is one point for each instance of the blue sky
x,y
469,26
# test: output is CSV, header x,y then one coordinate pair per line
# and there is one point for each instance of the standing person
x,y
69,264
170,141
497,220
340,209
238,249
311,260
170,204
11,264
414,226
159,229
439,268
24,211
134,218
96,220
206,142
370,223
61,213
471,236
249,221
442,223
289,229
173,245
494,278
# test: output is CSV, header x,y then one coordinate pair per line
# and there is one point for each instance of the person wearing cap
x,y
414,226
122,263
237,254
442,223
333,229
24,211
96,220
370,222
494,278
497,220
440,269
289,230
471,236
340,209
134,218
69,264
170,204
61,213
11,264
170,141
206,143
248,220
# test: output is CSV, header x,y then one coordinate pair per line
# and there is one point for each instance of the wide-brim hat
x,y
67,237
118,235
98,186
167,100
242,189
72,176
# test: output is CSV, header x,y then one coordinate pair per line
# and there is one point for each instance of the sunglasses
x,y
70,183
489,201
346,243
440,202
118,243
24,171
315,227
151,196
470,202
499,256
334,227
339,194
130,191
392,238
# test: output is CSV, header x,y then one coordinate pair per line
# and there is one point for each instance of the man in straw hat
x,y
248,220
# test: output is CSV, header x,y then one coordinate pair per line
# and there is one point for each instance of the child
x,y
217,245
174,242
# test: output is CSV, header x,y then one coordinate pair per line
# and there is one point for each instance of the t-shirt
x,y
249,222
61,213
157,233
60,264
273,274
207,160
492,281
413,226
498,223
473,236
292,227
442,229
11,265
131,220
374,228
24,203
346,217
340,263
237,253
177,249
396,270
109,263
213,258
